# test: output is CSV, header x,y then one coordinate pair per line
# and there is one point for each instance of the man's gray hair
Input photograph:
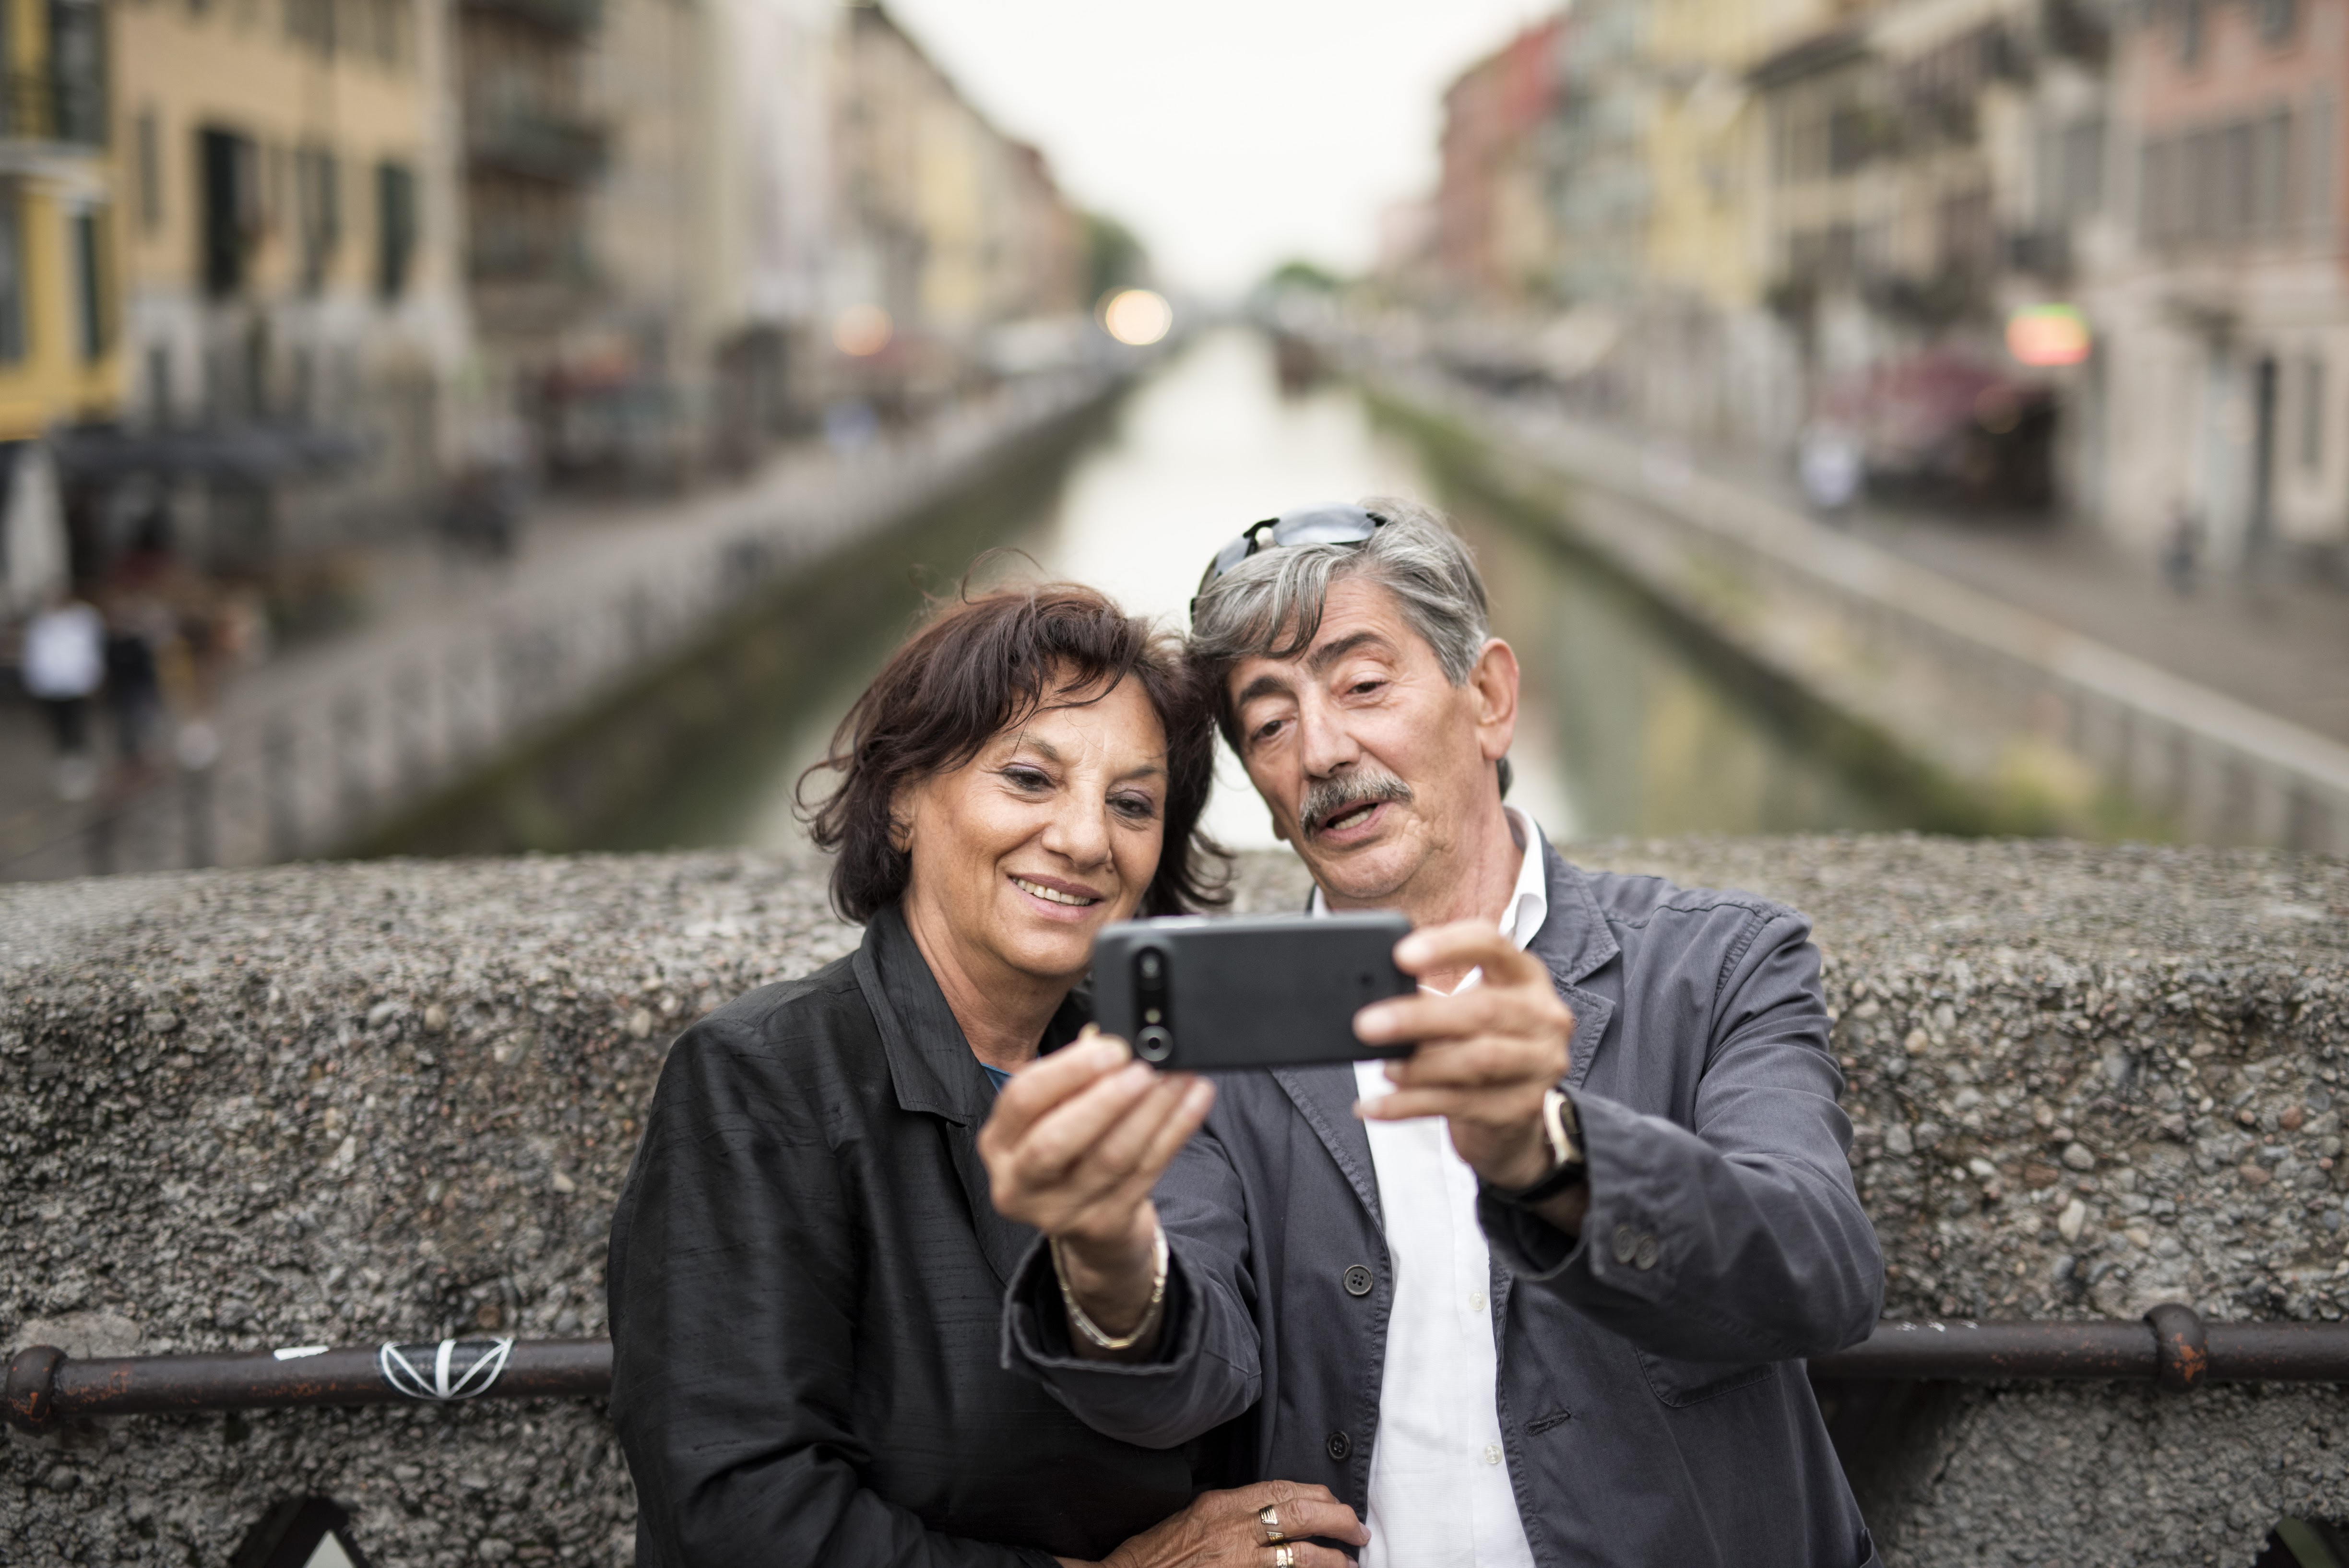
x,y
1269,605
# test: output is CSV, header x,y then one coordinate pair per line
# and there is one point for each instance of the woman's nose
x,y
1079,832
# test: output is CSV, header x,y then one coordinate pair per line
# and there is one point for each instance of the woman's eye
x,y
1027,779
1139,807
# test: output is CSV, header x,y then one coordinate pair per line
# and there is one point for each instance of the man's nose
x,y
1325,746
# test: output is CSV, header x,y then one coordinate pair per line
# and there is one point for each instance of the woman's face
x,y
1022,855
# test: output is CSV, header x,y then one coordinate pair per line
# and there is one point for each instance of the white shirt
x,y
65,652
1440,1492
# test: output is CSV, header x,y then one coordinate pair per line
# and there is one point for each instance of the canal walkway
x,y
454,664
2049,684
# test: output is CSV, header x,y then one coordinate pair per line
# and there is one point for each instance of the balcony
x,y
40,105
566,18
536,145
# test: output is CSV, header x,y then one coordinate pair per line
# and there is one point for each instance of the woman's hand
x,y
1075,1143
1225,1530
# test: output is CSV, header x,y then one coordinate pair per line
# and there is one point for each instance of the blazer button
x,y
1358,1281
1339,1445
1627,1241
1645,1257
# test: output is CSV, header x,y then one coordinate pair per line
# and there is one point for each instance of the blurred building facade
x,y
276,282
1769,218
293,304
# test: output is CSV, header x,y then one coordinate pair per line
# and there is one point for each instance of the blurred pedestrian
x,y
1830,467
137,625
64,667
2181,559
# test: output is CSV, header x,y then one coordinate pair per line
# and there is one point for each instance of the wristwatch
x,y
1566,1166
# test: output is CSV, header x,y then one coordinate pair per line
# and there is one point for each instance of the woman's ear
x,y
905,805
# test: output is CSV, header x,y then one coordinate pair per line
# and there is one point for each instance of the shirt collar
x,y
1527,910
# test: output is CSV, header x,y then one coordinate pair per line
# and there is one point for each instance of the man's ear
x,y
1493,684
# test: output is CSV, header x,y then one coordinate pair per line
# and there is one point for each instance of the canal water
x,y
1624,728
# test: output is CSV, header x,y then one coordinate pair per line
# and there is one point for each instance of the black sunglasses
x,y
1336,523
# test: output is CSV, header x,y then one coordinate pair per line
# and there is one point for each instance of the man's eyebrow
x,y
1317,662
1262,686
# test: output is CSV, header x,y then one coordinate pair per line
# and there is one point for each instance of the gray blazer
x,y
1652,1393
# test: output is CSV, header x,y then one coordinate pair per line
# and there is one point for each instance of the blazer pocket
x,y
1682,1383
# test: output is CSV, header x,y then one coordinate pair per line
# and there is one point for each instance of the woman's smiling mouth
x,y
1056,893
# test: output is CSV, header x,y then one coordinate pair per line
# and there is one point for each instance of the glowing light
x,y
2046,335
862,330
1138,317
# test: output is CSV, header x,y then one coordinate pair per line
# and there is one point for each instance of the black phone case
x,y
1252,991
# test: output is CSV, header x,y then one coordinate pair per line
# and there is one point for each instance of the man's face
x,y
1371,762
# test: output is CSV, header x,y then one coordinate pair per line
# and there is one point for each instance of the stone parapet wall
x,y
396,1100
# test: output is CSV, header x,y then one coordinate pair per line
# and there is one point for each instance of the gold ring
x,y
1269,1517
1284,1556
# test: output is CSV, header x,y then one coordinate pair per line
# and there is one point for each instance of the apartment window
x,y
2271,196
2083,166
2190,33
2277,19
11,273
149,139
227,164
2156,197
159,384
2316,174
94,315
2312,413
317,197
78,71
395,227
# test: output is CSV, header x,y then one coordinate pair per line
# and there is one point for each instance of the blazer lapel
x,y
1325,1097
932,1068
1573,944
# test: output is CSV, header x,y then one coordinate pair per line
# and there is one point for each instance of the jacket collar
x,y
935,1072
1574,942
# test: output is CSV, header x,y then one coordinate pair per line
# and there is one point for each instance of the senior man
x,y
1539,1293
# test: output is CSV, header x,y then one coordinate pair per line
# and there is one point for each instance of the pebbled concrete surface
x,y
348,1103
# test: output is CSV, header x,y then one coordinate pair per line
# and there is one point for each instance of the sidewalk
x,y
451,661
2277,642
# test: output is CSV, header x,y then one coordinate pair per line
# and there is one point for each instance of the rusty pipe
x,y
46,1387
2172,1345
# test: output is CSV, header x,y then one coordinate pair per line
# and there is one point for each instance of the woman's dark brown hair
x,y
979,666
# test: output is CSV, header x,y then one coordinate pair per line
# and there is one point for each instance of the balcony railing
x,y
536,145
569,18
36,105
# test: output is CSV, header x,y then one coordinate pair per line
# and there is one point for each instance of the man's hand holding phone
x,y
1486,1056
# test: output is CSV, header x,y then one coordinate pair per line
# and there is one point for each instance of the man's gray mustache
x,y
1328,797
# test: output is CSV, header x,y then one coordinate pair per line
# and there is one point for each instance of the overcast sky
x,y
1231,134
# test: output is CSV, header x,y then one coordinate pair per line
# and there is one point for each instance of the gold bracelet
x,y
1092,1330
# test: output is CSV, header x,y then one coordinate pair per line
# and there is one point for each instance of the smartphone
x,y
1197,994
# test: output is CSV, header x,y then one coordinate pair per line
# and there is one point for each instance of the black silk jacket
x,y
806,1285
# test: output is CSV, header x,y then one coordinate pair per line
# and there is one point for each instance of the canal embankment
x,y
1993,717
516,701
395,1100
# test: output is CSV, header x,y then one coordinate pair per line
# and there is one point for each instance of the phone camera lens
x,y
1154,1044
1151,967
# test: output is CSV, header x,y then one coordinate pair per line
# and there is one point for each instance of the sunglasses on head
x,y
1337,523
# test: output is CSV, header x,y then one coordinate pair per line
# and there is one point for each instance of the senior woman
x,y
806,1271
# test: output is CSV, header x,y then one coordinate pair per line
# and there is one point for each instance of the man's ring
x,y
1271,1516
1284,1556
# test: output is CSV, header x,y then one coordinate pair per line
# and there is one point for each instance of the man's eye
x,y
1360,687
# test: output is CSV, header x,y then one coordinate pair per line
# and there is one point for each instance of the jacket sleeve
x,y
733,1284
1738,1237
1207,1370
